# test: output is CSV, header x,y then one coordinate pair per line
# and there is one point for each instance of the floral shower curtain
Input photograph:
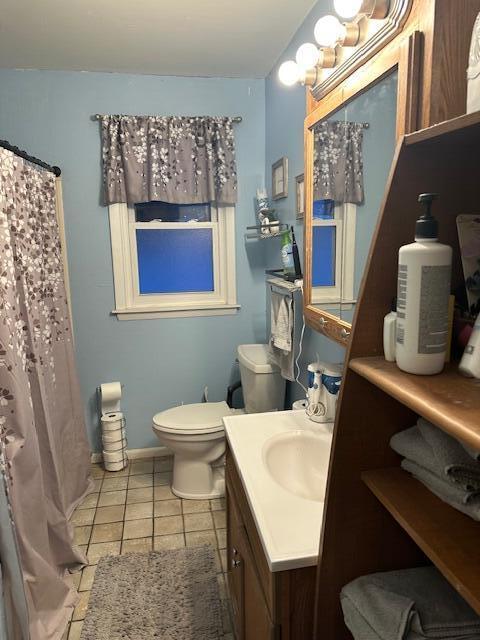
x,y
181,160
338,161
42,431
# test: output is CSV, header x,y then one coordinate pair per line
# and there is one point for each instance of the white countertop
x,y
289,526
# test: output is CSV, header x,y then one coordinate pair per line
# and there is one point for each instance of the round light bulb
x,y
347,8
307,56
328,31
289,73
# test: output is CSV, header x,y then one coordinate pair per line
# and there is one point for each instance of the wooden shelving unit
x,y
449,400
447,537
390,521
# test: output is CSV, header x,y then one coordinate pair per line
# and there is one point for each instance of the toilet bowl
x,y
195,435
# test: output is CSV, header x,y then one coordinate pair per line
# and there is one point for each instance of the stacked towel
x,y
442,464
412,604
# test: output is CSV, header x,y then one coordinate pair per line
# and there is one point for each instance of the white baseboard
x,y
138,454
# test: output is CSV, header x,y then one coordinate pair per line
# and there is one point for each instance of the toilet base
x,y
197,481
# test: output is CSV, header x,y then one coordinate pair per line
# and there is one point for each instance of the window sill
x,y
137,313
325,304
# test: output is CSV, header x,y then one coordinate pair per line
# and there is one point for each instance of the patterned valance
x,y
338,162
181,160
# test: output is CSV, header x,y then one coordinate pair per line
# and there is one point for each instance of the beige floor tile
x,y
139,510
223,559
162,479
97,471
96,485
199,538
141,466
222,538
75,630
82,517
163,464
100,549
168,508
163,493
140,495
76,577
222,586
164,543
81,535
220,519
168,524
195,506
88,574
140,481
81,608
138,529
217,504
83,548
118,474
109,514
111,498
108,532
198,521
115,484
89,501
137,545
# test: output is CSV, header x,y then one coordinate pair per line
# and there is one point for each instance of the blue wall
x,y
160,362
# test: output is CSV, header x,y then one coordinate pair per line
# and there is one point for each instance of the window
x,y
333,252
173,260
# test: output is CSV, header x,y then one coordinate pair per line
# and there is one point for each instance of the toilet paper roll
x,y
118,445
113,436
111,421
110,395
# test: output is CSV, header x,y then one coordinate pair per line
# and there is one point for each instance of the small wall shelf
x,y
449,538
274,229
449,400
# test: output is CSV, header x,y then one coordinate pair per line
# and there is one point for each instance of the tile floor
x,y
134,510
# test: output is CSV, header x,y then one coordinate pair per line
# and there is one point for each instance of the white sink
x,y
298,461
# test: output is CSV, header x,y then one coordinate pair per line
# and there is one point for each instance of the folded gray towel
x,y
432,454
407,604
467,502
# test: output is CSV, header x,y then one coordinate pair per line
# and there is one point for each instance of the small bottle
x,y
470,362
424,272
390,332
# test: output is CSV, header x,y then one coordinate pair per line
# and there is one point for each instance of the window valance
x,y
176,159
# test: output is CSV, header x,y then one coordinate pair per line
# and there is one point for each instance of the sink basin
x,y
298,462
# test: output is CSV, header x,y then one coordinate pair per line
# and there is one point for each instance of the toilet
x,y
195,432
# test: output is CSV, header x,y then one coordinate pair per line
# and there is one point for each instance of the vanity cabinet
x,y
266,605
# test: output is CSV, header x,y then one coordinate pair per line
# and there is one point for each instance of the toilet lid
x,y
202,417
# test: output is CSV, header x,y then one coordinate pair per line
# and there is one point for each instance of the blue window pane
x,y
166,212
175,260
323,209
323,256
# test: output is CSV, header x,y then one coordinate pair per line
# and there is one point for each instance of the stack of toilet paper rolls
x,y
113,427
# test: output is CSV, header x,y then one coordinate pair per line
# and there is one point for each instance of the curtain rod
x,y
98,116
23,154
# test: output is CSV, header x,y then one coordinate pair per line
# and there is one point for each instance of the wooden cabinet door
x,y
236,565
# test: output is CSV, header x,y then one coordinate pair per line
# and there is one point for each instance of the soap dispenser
x,y
423,290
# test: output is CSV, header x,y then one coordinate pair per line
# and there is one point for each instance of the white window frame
x,y
345,221
131,304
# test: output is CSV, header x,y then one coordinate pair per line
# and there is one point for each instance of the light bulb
x,y
289,73
347,8
328,31
307,56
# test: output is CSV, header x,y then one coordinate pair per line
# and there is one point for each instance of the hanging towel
x,y
282,311
406,605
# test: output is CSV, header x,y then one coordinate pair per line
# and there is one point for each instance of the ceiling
x,y
224,38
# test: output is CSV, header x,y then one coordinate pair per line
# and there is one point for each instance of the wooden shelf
x,y
461,130
449,538
449,400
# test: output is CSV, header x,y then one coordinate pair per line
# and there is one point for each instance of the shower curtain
x,y
43,446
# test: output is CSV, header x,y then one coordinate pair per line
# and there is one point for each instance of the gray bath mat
x,y
161,595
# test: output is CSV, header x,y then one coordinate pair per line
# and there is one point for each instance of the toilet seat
x,y
192,419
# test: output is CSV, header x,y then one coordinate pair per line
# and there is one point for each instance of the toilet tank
x,y
263,386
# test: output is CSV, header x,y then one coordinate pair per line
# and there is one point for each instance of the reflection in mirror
x,y
353,151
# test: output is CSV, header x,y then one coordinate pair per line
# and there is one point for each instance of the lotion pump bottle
x,y
424,272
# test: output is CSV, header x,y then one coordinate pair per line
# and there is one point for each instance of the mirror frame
x,y
404,56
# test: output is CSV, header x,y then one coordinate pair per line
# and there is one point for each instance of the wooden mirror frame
x,y
404,57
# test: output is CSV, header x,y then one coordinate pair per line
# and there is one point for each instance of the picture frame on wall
x,y
300,196
280,179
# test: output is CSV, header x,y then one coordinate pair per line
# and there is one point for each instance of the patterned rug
x,y
161,595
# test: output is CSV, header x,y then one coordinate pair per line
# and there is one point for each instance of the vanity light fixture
x,y
329,32
348,9
307,56
291,72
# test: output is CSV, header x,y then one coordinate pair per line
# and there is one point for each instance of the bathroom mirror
x,y
344,191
